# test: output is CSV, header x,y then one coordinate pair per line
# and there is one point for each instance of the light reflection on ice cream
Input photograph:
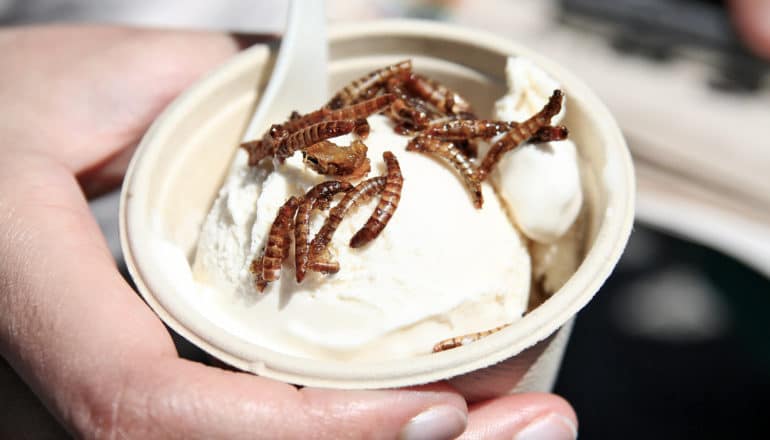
x,y
440,268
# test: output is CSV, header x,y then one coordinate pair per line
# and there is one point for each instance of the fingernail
x,y
437,423
549,427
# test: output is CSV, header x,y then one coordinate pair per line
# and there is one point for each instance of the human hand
x,y
75,100
752,18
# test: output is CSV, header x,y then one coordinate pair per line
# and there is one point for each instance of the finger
x,y
210,50
103,85
752,18
531,416
203,402
104,365
65,312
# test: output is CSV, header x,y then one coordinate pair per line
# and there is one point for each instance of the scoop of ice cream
x,y
439,269
540,183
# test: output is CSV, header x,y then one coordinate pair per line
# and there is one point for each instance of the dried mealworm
x,y
550,134
389,198
407,110
311,135
318,197
469,129
324,266
441,96
362,128
449,152
260,149
362,192
256,270
303,121
462,131
363,109
267,267
458,341
469,147
330,159
521,133
255,150
360,87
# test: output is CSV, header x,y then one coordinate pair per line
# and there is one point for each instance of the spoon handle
x,y
299,80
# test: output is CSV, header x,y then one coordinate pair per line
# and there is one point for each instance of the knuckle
x,y
106,412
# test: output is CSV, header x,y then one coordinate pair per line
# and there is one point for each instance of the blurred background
x,y
675,345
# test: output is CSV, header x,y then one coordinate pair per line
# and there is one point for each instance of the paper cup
x,y
182,160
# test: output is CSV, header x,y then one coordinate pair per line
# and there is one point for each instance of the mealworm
x,y
407,110
361,110
468,147
318,197
311,135
325,267
267,267
260,149
330,159
298,122
367,83
458,341
362,192
521,133
441,96
362,128
469,128
389,198
550,134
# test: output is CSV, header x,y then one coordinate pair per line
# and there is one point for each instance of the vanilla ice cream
x,y
540,183
440,268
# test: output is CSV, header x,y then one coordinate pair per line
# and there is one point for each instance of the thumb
x,y
752,18
529,416
189,400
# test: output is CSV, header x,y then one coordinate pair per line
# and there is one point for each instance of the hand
x,y
74,101
752,18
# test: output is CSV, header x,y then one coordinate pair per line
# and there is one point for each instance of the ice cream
x,y
540,183
440,268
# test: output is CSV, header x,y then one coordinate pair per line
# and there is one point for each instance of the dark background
x,y
676,345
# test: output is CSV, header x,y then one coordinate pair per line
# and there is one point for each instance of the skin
x,y
752,19
75,101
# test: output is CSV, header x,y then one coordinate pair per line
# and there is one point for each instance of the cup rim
x,y
535,326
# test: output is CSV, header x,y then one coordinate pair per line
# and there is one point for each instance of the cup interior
x,y
182,161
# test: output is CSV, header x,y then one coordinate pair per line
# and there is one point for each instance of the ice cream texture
x,y
440,268
540,183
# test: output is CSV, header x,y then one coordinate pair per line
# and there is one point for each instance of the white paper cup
x,y
182,160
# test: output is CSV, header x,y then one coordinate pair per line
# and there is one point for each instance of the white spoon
x,y
299,79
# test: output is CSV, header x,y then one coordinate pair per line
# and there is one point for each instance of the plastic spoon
x,y
299,79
